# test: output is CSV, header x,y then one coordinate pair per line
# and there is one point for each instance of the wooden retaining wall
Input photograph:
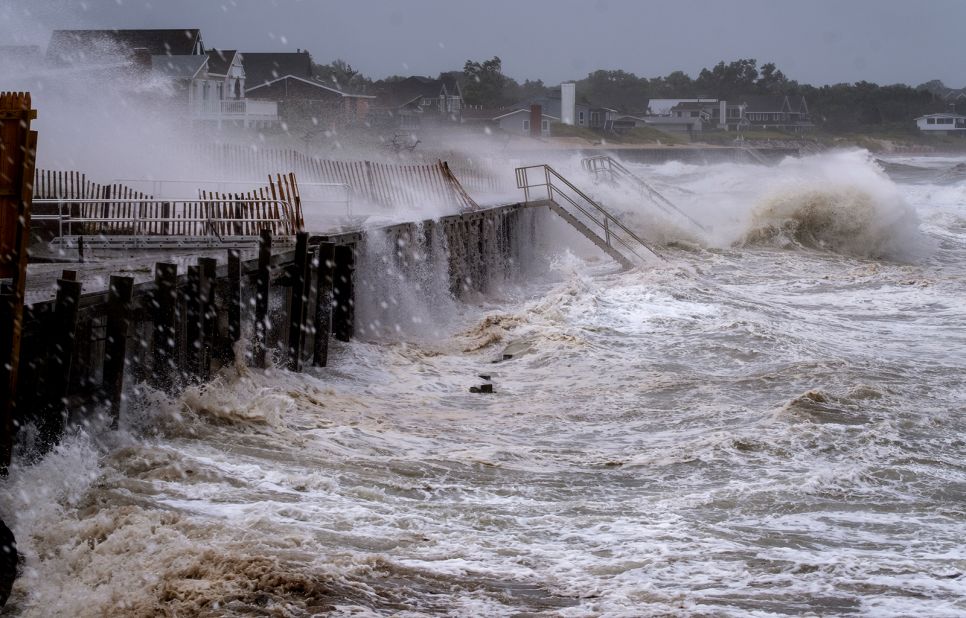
x,y
82,352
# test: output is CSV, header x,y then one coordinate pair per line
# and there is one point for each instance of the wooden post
x,y
59,357
207,274
118,309
343,293
165,334
234,297
18,151
261,298
193,320
323,303
296,320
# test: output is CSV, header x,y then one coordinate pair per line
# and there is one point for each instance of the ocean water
x,y
770,423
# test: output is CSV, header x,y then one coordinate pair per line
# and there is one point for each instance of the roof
x,y
695,105
763,102
178,67
662,107
312,82
261,68
941,115
527,111
220,60
92,46
405,91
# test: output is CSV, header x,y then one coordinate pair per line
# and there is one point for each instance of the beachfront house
x,y
513,121
766,112
418,101
942,124
204,87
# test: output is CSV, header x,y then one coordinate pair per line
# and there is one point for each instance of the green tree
x,y
484,82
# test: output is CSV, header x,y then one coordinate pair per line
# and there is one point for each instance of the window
x,y
580,118
930,121
594,119
695,114
545,126
526,126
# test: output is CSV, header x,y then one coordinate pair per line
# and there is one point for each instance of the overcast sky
x,y
814,41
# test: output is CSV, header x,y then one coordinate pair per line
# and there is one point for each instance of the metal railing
x,y
607,228
173,219
310,192
613,170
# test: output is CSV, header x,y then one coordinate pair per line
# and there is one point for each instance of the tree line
x,y
837,107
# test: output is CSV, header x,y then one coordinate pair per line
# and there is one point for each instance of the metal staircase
x,y
608,168
543,185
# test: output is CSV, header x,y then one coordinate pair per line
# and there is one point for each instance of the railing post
x,y
118,311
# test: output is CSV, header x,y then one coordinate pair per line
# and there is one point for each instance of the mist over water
x,y
770,423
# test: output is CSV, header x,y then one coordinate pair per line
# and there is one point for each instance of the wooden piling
x,y
165,333
118,312
193,320
18,151
234,297
343,293
207,275
323,303
262,281
299,300
64,326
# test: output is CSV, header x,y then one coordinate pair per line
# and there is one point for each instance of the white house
x,y
944,124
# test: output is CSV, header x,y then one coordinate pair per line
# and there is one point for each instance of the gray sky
x,y
814,41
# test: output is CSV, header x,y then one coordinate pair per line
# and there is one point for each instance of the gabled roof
x,y
941,115
522,111
312,82
220,60
404,91
694,105
261,68
178,67
93,46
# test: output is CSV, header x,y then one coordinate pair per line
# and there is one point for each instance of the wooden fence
x,y
67,203
386,184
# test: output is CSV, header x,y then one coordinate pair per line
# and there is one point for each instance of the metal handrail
x,y
523,182
137,219
614,167
158,184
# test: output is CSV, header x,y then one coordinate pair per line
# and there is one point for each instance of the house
x,y
419,101
942,124
778,112
553,106
206,87
211,97
511,121
662,107
287,80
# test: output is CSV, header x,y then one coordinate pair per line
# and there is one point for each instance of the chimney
x,y
723,114
568,103
141,59
536,115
